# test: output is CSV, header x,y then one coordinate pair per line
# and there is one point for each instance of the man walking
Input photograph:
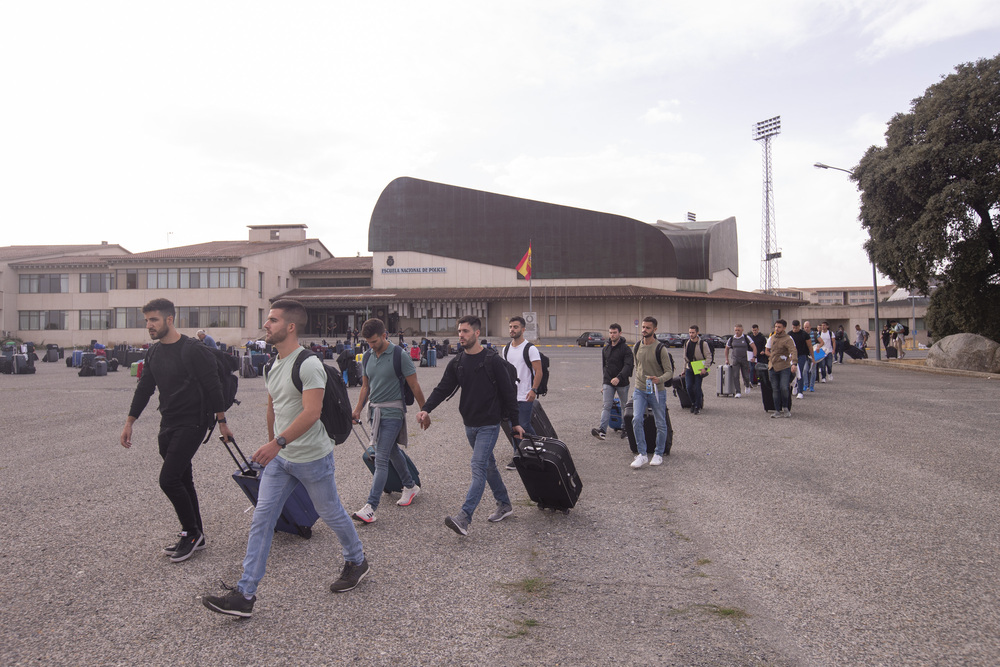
x,y
184,373
780,362
381,384
654,368
760,342
299,450
617,362
743,349
488,395
825,338
803,353
527,361
810,381
695,351
860,337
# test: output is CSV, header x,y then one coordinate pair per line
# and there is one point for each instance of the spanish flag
x,y
524,266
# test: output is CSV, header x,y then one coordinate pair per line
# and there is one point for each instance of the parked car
x,y
591,339
715,341
671,339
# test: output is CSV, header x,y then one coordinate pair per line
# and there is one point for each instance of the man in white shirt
x,y
825,336
524,356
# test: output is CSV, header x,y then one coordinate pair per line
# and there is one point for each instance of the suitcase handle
x,y
364,445
248,471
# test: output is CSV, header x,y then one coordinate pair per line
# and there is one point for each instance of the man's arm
x,y
143,391
312,406
418,393
362,399
536,372
448,383
627,367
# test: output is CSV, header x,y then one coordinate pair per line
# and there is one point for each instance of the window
x,y
44,283
260,318
195,317
95,282
260,284
129,318
552,322
42,320
335,282
95,319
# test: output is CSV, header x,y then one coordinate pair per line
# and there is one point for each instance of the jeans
x,y
386,452
828,361
743,365
277,483
524,412
839,354
658,402
178,445
693,382
780,389
483,439
608,392
819,369
805,374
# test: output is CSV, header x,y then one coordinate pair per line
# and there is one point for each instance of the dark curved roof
x,y
567,242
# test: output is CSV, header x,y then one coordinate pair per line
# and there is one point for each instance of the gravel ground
x,y
862,531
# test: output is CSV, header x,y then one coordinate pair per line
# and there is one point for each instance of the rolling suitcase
x,y
247,369
20,364
547,471
726,384
100,368
539,423
393,483
616,415
649,430
7,365
113,366
681,392
891,352
297,516
855,352
766,395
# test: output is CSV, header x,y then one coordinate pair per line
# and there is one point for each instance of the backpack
x,y
906,330
491,355
336,413
543,386
660,346
225,366
397,365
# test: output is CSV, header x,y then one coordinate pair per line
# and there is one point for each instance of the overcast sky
x,y
155,124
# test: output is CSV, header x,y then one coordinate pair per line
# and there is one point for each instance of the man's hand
x,y
531,396
266,454
614,382
356,415
518,431
126,438
225,432
424,419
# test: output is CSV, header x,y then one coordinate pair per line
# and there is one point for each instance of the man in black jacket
x,y
617,362
184,372
488,395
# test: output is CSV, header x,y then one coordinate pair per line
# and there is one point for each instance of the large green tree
x,y
930,200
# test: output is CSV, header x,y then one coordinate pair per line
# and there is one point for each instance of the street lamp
x,y
877,332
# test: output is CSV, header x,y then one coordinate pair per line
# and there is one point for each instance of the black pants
x,y
178,445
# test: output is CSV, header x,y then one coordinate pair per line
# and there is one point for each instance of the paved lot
x,y
862,531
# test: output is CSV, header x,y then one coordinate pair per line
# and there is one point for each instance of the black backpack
x,y
906,330
491,357
397,365
336,413
543,386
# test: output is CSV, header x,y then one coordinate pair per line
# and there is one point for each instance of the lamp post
x,y
877,332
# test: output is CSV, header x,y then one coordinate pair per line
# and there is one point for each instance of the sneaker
x,y
408,495
365,515
656,460
186,546
171,548
799,395
622,434
812,389
350,576
640,460
787,414
502,512
738,396
599,434
460,523
775,414
233,603
822,379
511,466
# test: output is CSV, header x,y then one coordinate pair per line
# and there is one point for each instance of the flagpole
x,y
530,275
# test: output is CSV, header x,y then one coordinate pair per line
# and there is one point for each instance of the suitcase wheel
x,y
305,531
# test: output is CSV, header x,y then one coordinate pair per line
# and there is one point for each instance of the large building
x,y
438,252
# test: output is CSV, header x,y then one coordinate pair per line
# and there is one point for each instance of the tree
x,y
930,200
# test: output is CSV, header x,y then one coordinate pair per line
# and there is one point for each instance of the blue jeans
x,y
820,368
608,393
693,382
658,402
483,439
780,389
386,452
277,482
524,411
805,374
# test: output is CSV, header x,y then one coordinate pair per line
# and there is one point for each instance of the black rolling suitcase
x,y
393,483
891,352
539,422
547,471
681,392
766,396
297,516
649,429
855,352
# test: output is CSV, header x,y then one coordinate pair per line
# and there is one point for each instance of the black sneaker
x,y
233,603
598,433
186,546
350,576
171,548
511,466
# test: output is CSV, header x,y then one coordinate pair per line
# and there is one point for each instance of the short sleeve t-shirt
x,y
383,385
315,443
740,347
515,355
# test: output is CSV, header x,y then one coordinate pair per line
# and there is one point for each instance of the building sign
x,y
413,269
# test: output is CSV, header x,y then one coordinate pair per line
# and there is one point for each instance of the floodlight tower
x,y
763,131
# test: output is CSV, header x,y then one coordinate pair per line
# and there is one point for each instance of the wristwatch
x,y
281,441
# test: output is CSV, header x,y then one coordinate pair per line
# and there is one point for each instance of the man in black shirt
x,y
803,348
184,373
617,361
488,395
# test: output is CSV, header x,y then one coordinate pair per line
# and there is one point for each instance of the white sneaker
x,y
408,496
639,461
656,460
799,395
365,515
738,396
822,380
